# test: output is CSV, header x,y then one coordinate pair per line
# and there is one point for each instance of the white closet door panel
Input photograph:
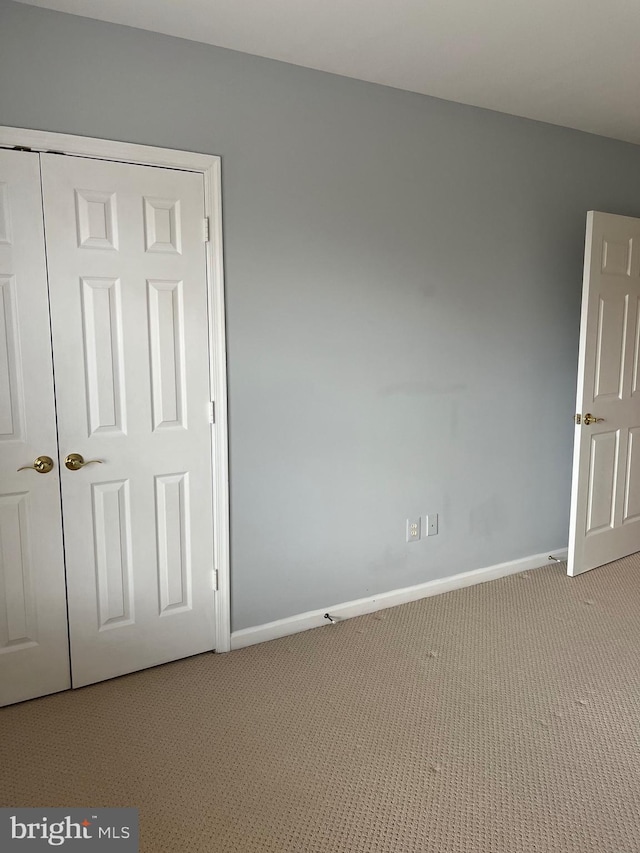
x,y
34,652
130,336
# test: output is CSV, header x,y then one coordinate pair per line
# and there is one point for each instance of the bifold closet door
x,y
34,647
127,279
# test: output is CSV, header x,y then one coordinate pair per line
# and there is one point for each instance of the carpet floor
x,y
501,718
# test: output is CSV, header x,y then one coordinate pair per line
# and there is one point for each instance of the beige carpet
x,y
503,718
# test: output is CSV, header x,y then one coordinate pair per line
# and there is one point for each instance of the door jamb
x,y
208,166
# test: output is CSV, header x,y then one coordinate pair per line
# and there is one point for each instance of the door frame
x,y
209,166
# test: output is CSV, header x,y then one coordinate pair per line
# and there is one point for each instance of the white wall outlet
x,y
431,524
413,529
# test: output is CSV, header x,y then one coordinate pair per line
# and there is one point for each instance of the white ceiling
x,y
569,62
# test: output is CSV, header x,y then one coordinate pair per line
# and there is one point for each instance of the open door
x,y
605,491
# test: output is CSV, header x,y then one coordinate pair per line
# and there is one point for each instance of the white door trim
x,y
209,166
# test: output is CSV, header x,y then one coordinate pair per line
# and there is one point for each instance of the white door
x,y
34,648
127,277
605,498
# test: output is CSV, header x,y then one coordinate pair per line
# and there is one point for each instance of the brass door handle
x,y
74,462
589,419
43,464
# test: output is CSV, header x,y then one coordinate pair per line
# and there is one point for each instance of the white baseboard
x,y
349,609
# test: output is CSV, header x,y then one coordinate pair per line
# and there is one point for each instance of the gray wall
x,y
403,288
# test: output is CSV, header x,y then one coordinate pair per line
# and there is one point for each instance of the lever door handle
x,y
74,462
43,464
589,419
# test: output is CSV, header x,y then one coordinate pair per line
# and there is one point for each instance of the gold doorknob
x,y
74,461
43,464
589,419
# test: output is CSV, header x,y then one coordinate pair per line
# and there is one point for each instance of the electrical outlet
x,y
431,524
413,529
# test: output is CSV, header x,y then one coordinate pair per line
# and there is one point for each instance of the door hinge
x,y
205,229
578,419
215,579
212,412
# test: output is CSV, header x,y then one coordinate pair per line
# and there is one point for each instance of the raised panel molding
x,y
104,357
602,481
112,541
5,215
617,257
174,542
162,225
612,325
11,397
17,617
166,340
96,220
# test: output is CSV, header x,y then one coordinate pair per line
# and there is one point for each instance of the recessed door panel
x,y
103,357
96,220
18,623
163,227
166,341
5,215
11,376
174,541
612,321
112,548
602,479
616,256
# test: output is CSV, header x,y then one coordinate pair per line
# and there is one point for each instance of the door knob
x,y
74,461
43,464
589,419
